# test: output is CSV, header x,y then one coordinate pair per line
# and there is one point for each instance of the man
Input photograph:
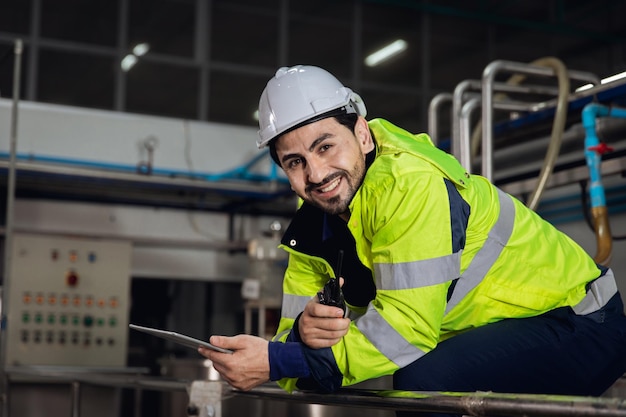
x,y
452,285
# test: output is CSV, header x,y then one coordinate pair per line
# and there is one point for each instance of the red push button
x,y
71,278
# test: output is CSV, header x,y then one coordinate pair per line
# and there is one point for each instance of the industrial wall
x,y
168,242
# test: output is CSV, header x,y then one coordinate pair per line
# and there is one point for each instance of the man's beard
x,y
338,204
335,205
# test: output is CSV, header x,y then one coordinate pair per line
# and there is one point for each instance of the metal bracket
x,y
205,399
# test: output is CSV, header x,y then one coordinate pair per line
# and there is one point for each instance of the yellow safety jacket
x,y
448,252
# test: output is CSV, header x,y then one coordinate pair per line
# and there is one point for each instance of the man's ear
x,y
364,135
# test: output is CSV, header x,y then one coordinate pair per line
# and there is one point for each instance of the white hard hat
x,y
298,94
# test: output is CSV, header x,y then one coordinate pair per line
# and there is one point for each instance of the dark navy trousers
x,y
555,353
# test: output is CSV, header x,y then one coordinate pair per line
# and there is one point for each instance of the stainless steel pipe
x,y
470,403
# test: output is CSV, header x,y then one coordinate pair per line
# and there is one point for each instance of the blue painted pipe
x,y
599,210
590,113
242,172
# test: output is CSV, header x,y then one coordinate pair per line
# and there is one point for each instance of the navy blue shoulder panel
x,y
459,216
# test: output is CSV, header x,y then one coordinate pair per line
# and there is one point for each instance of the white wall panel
x,y
167,243
99,136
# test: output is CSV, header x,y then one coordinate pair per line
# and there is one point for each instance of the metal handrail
x,y
433,111
467,86
488,88
467,403
470,403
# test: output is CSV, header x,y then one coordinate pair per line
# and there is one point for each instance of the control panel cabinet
x,y
69,302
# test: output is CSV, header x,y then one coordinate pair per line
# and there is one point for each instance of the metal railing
x,y
206,396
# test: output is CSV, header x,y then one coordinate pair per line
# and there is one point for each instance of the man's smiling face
x,y
325,162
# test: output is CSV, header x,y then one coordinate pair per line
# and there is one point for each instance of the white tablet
x,y
179,338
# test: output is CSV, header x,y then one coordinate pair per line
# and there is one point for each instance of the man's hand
x,y
322,326
247,367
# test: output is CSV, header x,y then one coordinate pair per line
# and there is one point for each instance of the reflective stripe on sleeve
x,y
407,275
280,335
599,293
484,259
293,305
386,339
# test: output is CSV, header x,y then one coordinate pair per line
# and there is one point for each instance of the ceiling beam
x,y
503,20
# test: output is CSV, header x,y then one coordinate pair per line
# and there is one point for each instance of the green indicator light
x,y
87,321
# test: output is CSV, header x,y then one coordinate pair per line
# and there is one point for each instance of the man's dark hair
x,y
346,119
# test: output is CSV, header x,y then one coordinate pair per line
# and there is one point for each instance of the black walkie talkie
x,y
331,294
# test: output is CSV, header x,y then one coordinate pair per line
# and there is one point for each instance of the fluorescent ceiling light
x,y
128,62
386,52
141,49
614,77
604,81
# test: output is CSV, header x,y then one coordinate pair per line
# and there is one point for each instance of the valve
x,y
601,148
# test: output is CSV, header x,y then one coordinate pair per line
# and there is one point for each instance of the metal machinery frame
x,y
488,95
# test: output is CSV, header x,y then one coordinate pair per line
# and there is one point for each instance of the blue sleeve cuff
x,y
292,358
287,361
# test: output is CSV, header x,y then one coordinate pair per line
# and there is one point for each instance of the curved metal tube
x,y
433,110
457,103
465,127
488,77
557,127
461,94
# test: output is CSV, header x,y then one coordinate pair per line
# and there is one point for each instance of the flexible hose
x,y
604,241
558,126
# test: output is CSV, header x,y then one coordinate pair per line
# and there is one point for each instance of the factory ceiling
x,y
210,59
